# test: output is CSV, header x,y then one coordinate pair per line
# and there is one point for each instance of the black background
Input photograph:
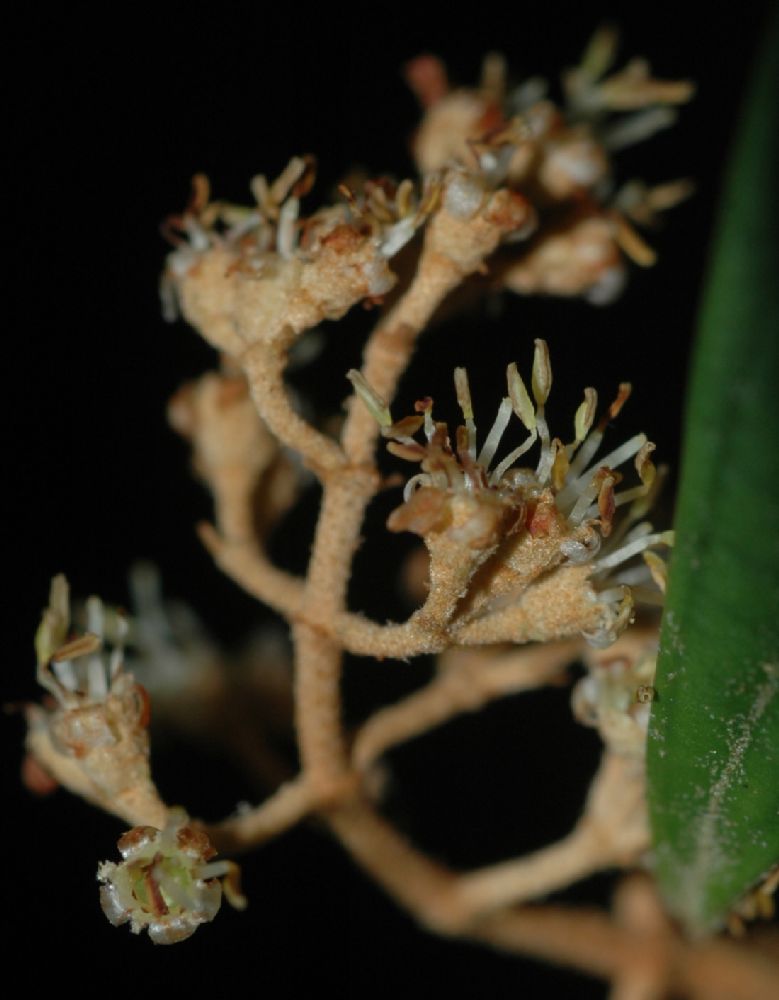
x,y
108,121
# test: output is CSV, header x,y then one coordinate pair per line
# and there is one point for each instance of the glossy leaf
x,y
714,736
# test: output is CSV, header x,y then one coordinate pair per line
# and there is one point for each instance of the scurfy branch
x,y
530,566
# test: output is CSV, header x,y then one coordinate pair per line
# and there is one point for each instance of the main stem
x,y
347,492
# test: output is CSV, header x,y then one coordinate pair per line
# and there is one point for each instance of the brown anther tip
x,y
307,178
426,76
209,537
201,192
35,778
623,394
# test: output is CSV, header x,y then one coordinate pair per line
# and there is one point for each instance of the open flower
x,y
167,883
616,695
247,275
93,738
598,113
532,553
558,155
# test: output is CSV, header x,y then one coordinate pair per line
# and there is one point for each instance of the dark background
x,y
107,124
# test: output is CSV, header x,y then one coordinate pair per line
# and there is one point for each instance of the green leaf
x,y
713,760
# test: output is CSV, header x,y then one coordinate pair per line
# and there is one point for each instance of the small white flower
x,y
167,883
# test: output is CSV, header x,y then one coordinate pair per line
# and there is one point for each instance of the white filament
x,y
95,617
496,433
511,458
625,451
612,460
421,479
629,550
589,446
97,686
286,237
582,505
65,674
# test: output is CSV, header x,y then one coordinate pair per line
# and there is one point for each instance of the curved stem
x,y
468,682
264,363
251,569
287,806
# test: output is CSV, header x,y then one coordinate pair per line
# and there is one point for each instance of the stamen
x,y
631,243
643,595
258,186
376,405
286,238
542,373
289,176
548,449
625,451
421,479
414,452
464,401
214,869
592,443
403,431
463,392
611,595
582,506
520,400
97,685
115,663
606,505
601,51
425,406
580,461
612,461
658,569
82,645
404,198
198,237
511,458
645,503
474,474
231,886
633,548
496,433
396,236
626,528
493,76
95,617
627,496
173,890
441,480
65,674
644,528
584,418
634,575
637,127
644,466
245,225
604,636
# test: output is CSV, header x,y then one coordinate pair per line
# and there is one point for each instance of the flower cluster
x,y
243,274
167,883
512,187
234,453
559,157
93,738
534,553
